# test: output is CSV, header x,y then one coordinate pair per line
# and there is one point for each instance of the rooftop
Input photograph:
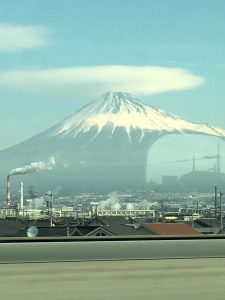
x,y
170,228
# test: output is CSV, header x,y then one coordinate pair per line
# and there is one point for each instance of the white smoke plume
x,y
35,167
144,204
130,206
111,203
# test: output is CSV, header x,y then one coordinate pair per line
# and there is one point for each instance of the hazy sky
x,y
56,56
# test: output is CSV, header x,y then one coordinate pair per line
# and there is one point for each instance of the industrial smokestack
x,y
8,198
21,195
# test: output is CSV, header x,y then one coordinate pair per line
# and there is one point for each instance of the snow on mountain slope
x,y
102,147
121,110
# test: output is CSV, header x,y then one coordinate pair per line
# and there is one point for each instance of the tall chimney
x,y
21,195
8,199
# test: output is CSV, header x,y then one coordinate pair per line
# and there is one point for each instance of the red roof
x,y
171,228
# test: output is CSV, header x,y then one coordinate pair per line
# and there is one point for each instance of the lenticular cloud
x,y
96,80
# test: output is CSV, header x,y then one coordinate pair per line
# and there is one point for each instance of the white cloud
x,y
99,79
18,37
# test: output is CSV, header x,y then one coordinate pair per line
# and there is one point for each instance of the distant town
x,y
93,171
159,210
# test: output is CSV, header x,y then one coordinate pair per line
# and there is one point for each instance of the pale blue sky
x,y
40,35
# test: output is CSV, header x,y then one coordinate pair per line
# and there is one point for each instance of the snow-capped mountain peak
x,y
122,110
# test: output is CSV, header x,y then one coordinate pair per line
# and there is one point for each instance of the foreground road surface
x,y
132,279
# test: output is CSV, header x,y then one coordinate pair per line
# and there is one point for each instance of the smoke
x,y
35,167
144,204
130,206
111,203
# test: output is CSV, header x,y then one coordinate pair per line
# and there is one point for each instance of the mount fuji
x,y
104,145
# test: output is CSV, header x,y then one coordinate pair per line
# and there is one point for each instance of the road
x,y
200,278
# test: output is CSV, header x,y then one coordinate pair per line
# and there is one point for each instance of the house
x,y
210,225
204,225
108,220
10,227
170,229
109,230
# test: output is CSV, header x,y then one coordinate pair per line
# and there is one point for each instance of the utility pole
x,y
215,201
221,213
192,217
49,205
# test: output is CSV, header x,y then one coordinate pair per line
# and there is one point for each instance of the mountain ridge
x,y
104,145
118,109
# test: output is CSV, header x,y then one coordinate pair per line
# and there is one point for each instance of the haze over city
x,y
55,58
